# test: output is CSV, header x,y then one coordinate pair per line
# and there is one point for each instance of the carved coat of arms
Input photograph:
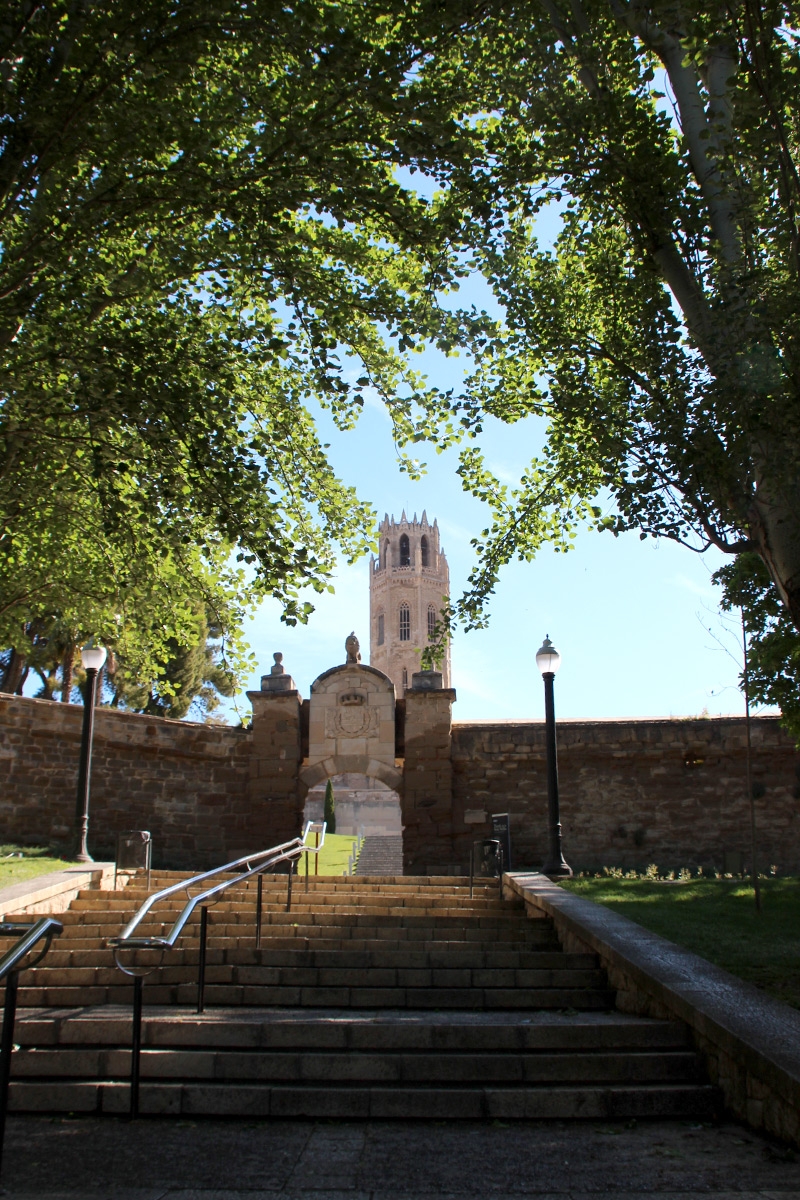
x,y
352,718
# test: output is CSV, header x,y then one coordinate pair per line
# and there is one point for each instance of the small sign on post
x,y
501,829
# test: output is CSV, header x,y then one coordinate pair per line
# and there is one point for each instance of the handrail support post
x,y
136,1044
201,968
289,887
258,910
6,1050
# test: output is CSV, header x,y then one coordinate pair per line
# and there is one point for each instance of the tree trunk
x,y
774,528
67,669
14,674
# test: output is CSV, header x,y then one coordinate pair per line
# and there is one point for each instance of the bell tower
x,y
408,583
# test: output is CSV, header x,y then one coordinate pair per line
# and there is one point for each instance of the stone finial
x,y
277,680
353,648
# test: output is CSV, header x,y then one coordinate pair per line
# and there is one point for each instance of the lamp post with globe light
x,y
92,659
548,660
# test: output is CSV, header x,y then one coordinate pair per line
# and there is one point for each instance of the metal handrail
x,y
264,860
45,927
30,936
285,852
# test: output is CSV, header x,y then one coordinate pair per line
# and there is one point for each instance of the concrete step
x,y
327,1066
470,998
433,1101
328,976
393,1064
343,956
303,901
380,855
374,996
287,1028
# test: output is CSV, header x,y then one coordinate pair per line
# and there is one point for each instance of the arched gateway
x,y
352,724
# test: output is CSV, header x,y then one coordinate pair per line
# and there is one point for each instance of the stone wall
x,y
186,783
632,792
667,791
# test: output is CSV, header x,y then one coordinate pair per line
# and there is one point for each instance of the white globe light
x,y
93,657
548,660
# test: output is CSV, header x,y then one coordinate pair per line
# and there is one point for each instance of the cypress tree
x,y
329,809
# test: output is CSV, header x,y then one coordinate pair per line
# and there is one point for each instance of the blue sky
x,y
629,617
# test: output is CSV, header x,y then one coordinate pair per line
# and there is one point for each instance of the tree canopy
x,y
659,335
202,236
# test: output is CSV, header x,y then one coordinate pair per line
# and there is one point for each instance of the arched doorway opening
x,y
364,804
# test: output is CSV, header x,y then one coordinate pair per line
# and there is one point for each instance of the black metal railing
x,y
241,869
12,962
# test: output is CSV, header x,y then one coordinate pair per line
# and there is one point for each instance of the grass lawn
x,y
333,856
25,862
717,918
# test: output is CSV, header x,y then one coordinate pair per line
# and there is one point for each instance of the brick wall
x,y
186,783
632,792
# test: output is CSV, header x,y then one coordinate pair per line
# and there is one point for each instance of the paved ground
x,y
93,1159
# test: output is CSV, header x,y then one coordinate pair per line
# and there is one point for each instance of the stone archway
x,y
353,725
363,805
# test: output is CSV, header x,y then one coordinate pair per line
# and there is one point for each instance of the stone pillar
x,y
428,791
276,813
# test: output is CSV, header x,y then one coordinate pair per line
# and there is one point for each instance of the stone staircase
x,y
373,997
381,854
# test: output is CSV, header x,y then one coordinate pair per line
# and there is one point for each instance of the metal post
x,y
306,870
316,856
6,1050
136,1044
748,756
201,970
289,888
258,911
85,769
556,866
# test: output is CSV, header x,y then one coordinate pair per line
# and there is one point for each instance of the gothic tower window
x,y
405,623
385,561
380,629
405,554
431,622
405,678
423,546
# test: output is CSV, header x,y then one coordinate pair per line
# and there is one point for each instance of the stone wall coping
x,y
106,712
758,1032
18,896
353,667
505,722
278,694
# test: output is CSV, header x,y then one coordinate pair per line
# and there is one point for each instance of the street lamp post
x,y
548,660
92,658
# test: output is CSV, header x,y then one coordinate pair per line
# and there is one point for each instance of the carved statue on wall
x,y
353,648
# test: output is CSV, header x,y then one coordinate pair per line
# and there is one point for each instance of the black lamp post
x,y
92,658
548,660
